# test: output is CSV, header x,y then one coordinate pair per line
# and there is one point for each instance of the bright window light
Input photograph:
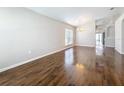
x,y
68,37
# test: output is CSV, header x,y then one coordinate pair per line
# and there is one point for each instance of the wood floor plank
x,y
77,66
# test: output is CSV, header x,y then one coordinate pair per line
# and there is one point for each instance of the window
x,y
68,37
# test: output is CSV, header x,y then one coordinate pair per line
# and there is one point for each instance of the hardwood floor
x,y
71,67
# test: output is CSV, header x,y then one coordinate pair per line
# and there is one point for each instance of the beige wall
x,y
87,36
122,36
110,36
118,34
25,34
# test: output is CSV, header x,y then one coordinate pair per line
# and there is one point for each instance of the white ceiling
x,y
75,16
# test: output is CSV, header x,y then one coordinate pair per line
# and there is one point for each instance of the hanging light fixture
x,y
80,29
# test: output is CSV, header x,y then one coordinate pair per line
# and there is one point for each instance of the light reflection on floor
x,y
73,69
69,56
81,66
99,44
69,59
99,50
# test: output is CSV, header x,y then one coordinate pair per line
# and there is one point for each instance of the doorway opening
x,y
100,42
100,39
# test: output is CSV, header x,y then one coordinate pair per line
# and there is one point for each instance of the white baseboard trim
x,y
85,45
110,46
32,59
120,52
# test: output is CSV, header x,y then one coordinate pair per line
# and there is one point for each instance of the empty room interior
x,y
62,46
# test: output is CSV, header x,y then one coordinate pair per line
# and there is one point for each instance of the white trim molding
x,y
85,45
32,59
119,51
